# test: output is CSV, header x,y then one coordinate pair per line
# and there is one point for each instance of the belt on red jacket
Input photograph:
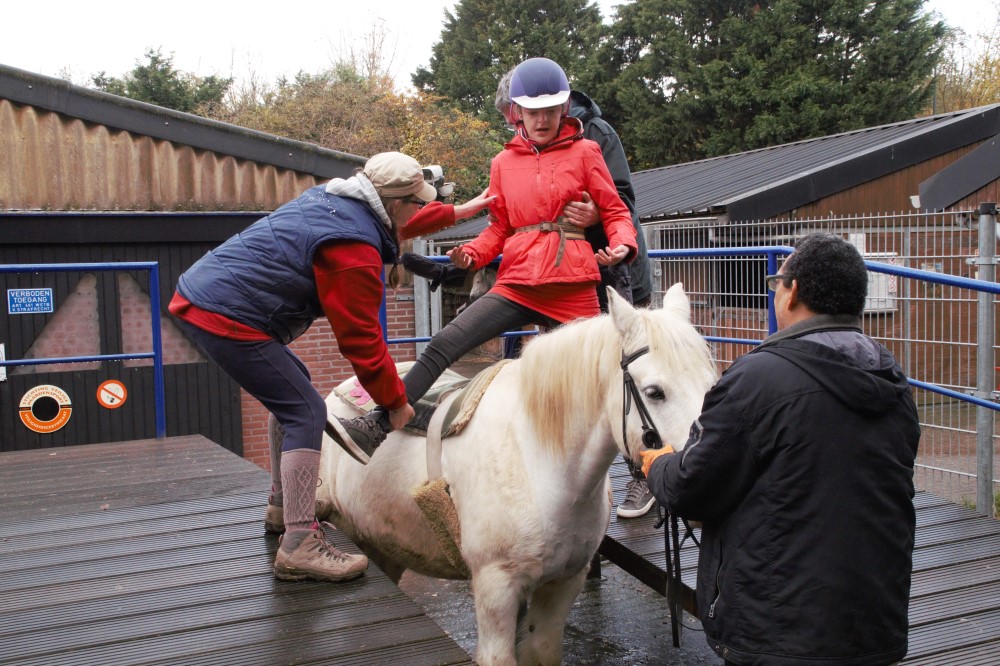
x,y
565,229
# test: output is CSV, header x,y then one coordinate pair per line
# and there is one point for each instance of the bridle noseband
x,y
650,436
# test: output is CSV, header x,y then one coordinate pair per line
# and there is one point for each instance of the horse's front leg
x,y
498,593
542,638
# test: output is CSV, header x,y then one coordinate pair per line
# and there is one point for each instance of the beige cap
x,y
398,175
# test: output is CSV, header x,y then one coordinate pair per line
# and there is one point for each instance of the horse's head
x,y
669,380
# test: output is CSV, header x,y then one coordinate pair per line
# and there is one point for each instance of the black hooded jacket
x,y
801,469
599,130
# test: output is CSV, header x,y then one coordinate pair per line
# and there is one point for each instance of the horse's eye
x,y
654,393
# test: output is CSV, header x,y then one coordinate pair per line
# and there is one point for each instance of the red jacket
x,y
534,186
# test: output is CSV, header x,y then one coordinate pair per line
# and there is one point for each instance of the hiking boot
x,y
638,499
314,558
274,519
359,436
437,273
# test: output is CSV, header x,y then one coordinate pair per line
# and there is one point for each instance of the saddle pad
x,y
351,391
465,404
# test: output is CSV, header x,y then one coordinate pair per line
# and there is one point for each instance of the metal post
x,y
158,389
421,302
985,363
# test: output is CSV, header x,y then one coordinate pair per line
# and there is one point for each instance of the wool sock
x,y
299,472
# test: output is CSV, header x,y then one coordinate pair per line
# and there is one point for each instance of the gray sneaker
x,y
316,559
359,436
638,500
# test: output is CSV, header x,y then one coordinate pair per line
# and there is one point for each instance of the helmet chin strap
x,y
650,436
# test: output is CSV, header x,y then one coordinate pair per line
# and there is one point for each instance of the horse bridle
x,y
671,540
650,435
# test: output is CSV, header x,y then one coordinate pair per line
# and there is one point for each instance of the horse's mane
x,y
571,369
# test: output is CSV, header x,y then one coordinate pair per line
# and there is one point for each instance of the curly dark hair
x,y
831,274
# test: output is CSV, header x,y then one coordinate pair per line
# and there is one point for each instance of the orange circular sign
x,y
112,394
45,408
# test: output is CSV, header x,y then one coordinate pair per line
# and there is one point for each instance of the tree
x,y
347,111
482,39
969,74
702,78
158,82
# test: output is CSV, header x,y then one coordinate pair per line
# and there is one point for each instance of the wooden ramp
x,y
954,596
154,552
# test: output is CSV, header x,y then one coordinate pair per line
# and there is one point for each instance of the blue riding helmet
x,y
538,83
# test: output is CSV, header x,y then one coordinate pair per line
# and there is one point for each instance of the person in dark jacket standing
x,y
321,254
800,468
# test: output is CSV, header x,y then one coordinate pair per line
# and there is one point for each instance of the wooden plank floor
x,y
154,552
954,596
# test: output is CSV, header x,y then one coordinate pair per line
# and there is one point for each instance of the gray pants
x,y
484,319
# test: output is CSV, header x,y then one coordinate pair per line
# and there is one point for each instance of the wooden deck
x,y
154,551
954,596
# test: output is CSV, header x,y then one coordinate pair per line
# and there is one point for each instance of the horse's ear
x,y
622,312
676,301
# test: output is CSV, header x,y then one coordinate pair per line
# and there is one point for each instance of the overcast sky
x,y
235,39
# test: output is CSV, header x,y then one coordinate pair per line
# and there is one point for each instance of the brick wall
x,y
318,350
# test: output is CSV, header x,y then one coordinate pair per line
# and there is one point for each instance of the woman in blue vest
x,y
319,255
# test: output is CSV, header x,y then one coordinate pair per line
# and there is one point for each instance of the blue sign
x,y
29,301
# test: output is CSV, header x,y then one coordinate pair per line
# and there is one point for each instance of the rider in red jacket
x,y
549,270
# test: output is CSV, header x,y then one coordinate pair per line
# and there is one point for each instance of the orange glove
x,y
649,455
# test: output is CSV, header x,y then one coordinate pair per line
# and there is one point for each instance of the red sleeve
x,y
349,284
432,217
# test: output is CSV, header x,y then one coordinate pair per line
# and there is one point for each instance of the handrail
x,y
154,306
771,252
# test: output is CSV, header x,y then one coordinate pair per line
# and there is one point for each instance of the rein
x,y
671,539
650,436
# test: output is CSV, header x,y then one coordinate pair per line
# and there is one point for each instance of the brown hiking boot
x,y
274,519
316,559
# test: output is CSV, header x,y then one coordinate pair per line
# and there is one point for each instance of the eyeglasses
x,y
772,281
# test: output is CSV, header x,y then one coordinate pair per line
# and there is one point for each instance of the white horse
x,y
528,474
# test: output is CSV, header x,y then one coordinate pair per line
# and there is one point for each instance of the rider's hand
x,y
610,256
400,417
582,213
649,455
459,257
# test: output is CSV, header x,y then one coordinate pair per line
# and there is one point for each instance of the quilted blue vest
x,y
263,277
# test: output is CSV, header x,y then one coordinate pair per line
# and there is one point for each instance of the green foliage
x,y
158,82
700,78
483,39
344,110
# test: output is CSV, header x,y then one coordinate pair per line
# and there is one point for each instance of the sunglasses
x,y
772,281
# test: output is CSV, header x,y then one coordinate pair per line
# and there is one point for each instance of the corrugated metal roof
x,y
64,147
763,183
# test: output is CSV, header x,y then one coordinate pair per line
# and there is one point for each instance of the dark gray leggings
x,y
484,319
272,373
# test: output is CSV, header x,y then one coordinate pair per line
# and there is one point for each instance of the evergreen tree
x,y
712,77
158,82
482,39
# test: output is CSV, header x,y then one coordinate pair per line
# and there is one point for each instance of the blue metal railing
x,y
154,304
771,253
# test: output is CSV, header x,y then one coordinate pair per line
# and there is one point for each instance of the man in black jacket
x,y
800,468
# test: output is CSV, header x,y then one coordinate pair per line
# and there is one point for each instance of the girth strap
x,y
565,229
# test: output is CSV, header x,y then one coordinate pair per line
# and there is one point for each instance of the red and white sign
x,y
112,394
